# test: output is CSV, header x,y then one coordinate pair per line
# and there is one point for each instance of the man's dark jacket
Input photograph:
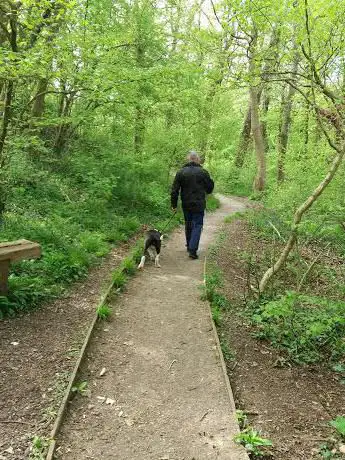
x,y
194,183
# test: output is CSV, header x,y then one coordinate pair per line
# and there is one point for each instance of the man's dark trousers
x,y
193,225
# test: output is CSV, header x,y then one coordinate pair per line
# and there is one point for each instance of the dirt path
x,y
168,395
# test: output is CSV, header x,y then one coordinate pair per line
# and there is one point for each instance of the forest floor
x,y
38,352
163,394
291,405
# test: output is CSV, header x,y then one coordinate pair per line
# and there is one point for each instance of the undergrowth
x,y
307,324
77,209
309,328
252,440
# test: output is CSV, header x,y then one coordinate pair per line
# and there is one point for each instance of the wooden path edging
x,y
222,362
64,402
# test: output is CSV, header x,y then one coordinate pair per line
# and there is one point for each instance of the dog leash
x,y
168,222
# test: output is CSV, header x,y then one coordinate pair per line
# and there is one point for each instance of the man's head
x,y
193,157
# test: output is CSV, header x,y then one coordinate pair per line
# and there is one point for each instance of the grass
x,y
103,312
80,388
38,448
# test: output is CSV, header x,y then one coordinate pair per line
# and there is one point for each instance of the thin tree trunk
x,y
269,66
265,106
244,141
260,178
6,119
207,118
61,134
306,130
139,128
139,119
283,136
7,116
298,217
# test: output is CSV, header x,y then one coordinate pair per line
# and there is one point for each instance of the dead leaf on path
x,y
342,448
103,371
14,343
10,450
101,398
110,401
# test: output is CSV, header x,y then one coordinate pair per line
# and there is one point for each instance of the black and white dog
x,y
153,242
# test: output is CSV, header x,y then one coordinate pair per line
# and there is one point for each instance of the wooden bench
x,y
15,251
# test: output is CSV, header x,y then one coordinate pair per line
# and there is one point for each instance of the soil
x,y
156,386
38,351
291,405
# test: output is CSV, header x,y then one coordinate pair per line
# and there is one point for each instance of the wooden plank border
x,y
64,402
222,362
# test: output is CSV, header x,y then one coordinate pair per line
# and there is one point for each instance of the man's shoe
x,y
193,255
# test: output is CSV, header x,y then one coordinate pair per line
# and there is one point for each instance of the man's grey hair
x,y
193,156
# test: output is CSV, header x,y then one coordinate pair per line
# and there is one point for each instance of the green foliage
x,y
227,353
339,425
38,448
119,279
216,315
308,328
213,281
74,210
103,312
212,203
137,252
328,451
250,438
80,388
234,216
211,288
253,442
128,266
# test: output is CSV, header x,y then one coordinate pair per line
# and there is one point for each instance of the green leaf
x,y
339,425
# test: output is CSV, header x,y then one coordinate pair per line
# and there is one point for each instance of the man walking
x,y
194,182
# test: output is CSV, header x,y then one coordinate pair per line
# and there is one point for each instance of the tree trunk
x,y
269,66
139,118
265,106
207,117
6,119
298,217
260,178
139,128
306,130
244,142
283,136
62,129
39,99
